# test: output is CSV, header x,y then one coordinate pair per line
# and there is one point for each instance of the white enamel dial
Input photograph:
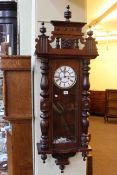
x,y
64,77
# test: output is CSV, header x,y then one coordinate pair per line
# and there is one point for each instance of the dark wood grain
x,y
85,106
44,106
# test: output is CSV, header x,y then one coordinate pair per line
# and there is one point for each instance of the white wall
x,y
47,10
25,17
104,68
52,9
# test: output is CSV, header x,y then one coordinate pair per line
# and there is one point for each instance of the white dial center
x,y
65,77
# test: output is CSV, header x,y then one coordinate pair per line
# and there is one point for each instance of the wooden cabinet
x,y
17,100
97,102
111,104
20,148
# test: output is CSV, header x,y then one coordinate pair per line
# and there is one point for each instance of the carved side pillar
x,y
85,107
44,106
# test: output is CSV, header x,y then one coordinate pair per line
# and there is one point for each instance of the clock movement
x,y
64,89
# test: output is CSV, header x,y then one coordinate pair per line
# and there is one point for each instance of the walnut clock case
x,y
64,90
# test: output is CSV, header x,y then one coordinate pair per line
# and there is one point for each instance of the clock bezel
x,y
72,83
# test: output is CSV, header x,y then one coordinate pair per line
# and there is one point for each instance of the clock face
x,y
65,77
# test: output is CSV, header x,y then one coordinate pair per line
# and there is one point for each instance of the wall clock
x,y
64,90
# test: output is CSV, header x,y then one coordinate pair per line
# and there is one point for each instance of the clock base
x,y
62,159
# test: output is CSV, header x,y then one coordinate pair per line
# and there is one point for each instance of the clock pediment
x,y
66,38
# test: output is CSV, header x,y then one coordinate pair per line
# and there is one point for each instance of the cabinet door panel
x,y
97,102
111,103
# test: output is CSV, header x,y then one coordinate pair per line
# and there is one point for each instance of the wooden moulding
x,y
18,111
15,63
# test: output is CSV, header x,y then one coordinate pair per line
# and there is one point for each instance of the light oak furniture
x,y
97,102
89,168
17,100
111,104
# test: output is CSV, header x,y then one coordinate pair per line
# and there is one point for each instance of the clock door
x,y
65,97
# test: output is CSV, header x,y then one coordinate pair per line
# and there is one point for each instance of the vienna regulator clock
x,y
64,89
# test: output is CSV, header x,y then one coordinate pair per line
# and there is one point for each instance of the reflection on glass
x,y
6,39
64,116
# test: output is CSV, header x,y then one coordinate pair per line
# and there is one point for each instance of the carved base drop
x,y
62,159
43,157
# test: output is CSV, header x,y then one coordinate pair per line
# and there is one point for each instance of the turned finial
x,y
90,33
62,168
43,29
67,13
43,157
